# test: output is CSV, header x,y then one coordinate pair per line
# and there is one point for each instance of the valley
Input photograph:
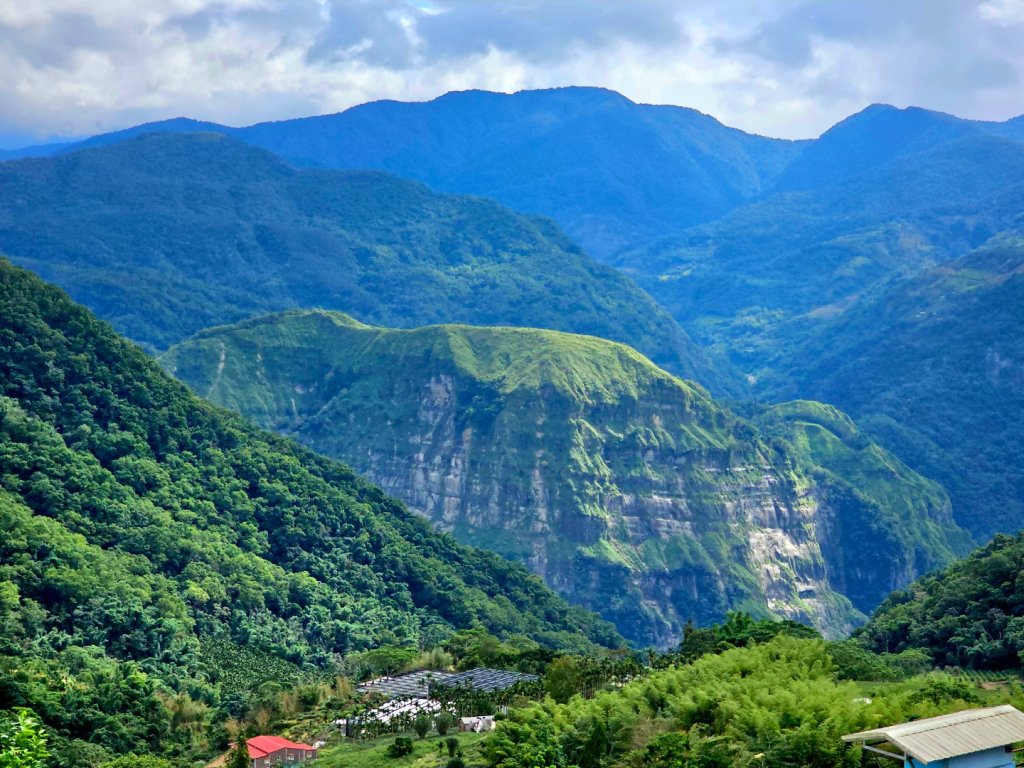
x,y
666,444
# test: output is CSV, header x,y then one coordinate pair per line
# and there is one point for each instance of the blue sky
x,y
784,68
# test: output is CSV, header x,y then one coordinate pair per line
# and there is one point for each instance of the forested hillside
x,y
630,491
163,235
803,245
141,522
969,615
800,252
934,366
885,282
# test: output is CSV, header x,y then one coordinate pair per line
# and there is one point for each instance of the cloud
x,y
787,68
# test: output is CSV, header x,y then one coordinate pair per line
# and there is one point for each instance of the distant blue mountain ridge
x,y
612,173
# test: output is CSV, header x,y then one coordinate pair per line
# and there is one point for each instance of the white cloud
x,y
1006,12
785,68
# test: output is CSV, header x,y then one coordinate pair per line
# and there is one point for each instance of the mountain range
x,y
611,172
873,268
163,235
614,174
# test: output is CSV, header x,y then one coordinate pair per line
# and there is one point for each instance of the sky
x,y
787,68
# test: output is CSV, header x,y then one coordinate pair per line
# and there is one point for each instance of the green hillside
x,y
629,490
933,366
782,703
140,522
969,615
882,276
165,234
732,281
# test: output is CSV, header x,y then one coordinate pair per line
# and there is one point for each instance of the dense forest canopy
x,y
139,520
970,614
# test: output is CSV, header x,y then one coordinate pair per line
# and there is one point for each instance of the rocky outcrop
x,y
628,490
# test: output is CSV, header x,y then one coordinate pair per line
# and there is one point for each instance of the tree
x,y
443,722
421,725
239,757
22,740
563,679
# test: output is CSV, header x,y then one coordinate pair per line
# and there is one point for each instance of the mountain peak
x,y
577,92
877,134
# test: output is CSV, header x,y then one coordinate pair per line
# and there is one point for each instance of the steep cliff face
x,y
626,489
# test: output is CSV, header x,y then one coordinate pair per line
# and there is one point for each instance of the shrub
x,y
421,725
443,723
22,740
401,747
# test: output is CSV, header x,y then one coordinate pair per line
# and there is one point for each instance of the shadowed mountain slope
x,y
934,366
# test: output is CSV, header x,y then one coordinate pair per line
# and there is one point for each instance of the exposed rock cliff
x,y
628,490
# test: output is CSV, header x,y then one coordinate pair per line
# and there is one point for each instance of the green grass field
x,y
373,754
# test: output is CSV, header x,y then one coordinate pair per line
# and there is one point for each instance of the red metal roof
x,y
261,746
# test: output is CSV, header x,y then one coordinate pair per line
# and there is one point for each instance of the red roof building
x,y
266,751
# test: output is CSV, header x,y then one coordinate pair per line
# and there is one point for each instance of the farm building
x,y
266,751
974,738
480,724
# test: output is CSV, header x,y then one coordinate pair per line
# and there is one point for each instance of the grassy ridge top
x,y
585,368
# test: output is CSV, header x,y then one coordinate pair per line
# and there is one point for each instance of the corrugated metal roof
x,y
961,733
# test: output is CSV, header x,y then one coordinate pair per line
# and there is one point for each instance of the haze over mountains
x,y
800,290
611,172
754,245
